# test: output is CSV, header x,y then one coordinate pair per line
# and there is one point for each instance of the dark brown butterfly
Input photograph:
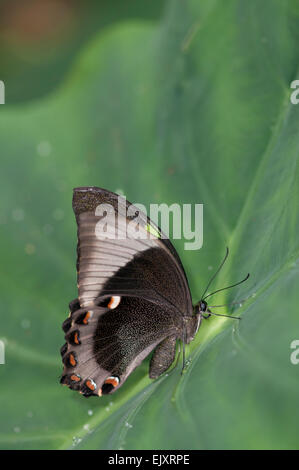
x,y
133,296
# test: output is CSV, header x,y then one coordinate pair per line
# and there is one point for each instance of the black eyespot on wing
x,y
70,360
110,384
74,305
67,324
103,302
75,380
71,380
73,338
83,318
88,389
107,388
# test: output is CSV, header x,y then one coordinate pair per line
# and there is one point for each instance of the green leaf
x,y
195,110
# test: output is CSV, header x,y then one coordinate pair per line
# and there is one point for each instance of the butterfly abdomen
x,y
191,325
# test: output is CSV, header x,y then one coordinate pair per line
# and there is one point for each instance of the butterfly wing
x,y
133,295
148,267
104,346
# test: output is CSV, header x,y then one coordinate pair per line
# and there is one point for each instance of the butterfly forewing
x,y
100,258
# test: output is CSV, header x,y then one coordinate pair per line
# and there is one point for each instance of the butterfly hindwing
x,y
102,343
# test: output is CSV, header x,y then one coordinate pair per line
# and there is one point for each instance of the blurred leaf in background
x,y
193,109
39,39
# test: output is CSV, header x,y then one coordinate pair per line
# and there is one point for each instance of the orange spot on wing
x,y
114,302
86,318
75,378
90,385
113,381
72,360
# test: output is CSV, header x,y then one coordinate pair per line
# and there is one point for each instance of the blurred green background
x,y
176,101
39,39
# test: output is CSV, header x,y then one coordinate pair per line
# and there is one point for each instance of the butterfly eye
x,y
203,306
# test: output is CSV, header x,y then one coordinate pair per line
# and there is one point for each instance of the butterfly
x,y
133,296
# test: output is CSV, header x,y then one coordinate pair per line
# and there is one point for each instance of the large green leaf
x,y
196,110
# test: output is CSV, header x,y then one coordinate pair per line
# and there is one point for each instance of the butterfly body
x,y
133,296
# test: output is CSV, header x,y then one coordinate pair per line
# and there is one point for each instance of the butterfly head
x,y
202,305
201,309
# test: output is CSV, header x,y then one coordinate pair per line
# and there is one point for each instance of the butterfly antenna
x,y
221,315
214,275
237,302
228,287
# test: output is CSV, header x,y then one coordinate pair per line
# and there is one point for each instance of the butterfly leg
x,y
206,316
163,357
